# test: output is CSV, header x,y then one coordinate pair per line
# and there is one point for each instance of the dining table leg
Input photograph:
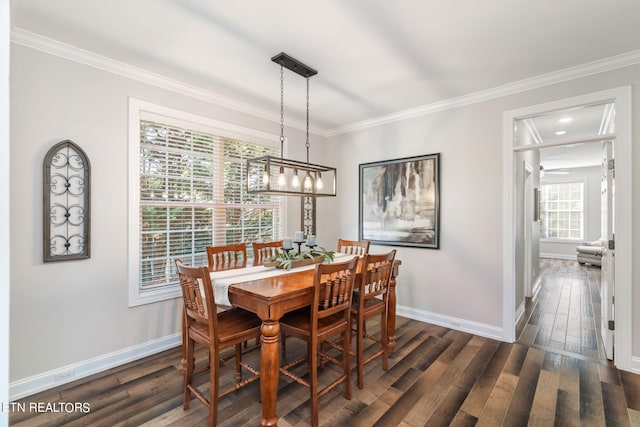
x,y
391,317
269,371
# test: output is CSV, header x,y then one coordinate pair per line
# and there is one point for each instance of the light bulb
x,y
265,177
295,181
282,180
319,184
308,182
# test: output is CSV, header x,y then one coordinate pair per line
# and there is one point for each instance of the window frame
x,y
566,180
143,110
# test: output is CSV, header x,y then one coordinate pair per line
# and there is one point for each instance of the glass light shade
x,y
295,181
308,182
282,179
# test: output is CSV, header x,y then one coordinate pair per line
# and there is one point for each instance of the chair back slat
x,y
378,274
263,251
333,288
227,257
353,247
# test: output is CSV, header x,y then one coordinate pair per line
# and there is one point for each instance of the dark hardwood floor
x,y
554,375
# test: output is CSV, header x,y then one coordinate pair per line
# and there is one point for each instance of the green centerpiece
x,y
292,259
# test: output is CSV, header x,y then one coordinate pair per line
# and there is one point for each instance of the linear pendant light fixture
x,y
278,176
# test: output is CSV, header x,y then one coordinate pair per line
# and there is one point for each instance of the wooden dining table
x,y
270,298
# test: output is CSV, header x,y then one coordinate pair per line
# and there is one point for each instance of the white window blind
x,y
562,210
193,195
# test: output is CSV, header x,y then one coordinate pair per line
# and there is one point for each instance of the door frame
x,y
527,220
623,214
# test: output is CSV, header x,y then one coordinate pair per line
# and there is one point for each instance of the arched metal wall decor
x,y
66,203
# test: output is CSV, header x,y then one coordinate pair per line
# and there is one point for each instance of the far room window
x,y
562,211
188,176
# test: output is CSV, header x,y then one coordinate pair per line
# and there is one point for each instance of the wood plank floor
x,y
554,376
566,314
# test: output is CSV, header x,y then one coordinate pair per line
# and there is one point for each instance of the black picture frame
x,y
399,202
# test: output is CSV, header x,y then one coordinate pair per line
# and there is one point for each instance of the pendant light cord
x,y
307,120
282,110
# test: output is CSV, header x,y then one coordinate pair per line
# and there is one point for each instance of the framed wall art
x,y
400,202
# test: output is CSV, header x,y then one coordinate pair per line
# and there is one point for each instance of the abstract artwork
x,y
400,202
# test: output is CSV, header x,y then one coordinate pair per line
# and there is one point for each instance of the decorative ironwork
x,y
308,215
66,207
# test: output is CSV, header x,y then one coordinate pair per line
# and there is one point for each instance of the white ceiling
x,y
573,124
373,57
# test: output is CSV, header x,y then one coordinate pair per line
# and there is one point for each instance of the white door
x,y
607,187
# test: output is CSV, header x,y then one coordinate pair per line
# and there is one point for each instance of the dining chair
x,y
216,331
353,247
227,257
263,251
371,298
327,317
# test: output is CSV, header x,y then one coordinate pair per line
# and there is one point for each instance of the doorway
x,y
620,98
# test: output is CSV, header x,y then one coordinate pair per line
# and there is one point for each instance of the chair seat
x,y
299,323
234,325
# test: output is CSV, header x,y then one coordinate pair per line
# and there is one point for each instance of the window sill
x,y
565,241
137,297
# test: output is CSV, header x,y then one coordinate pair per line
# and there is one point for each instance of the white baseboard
x,y
484,330
635,365
46,380
571,257
536,288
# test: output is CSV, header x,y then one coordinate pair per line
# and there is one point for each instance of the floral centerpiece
x,y
289,259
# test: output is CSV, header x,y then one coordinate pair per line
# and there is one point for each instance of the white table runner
x,y
221,280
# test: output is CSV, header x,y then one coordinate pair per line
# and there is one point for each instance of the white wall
x,y
461,283
5,248
76,311
591,177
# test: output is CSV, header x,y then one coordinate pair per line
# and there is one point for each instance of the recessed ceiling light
x,y
565,119
561,132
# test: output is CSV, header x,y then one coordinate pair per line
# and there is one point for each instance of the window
x,y
562,210
188,179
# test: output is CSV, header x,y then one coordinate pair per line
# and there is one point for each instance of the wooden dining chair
x,y
216,331
353,247
262,251
328,316
227,257
372,299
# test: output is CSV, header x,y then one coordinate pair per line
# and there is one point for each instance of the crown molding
x,y
571,73
104,63
73,53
